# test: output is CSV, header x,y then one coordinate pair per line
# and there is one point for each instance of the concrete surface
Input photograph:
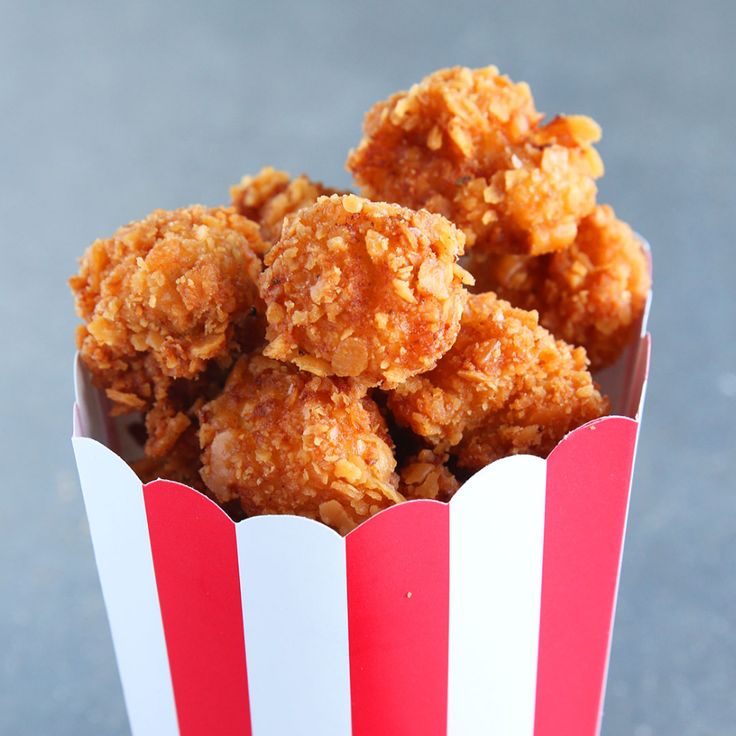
x,y
109,110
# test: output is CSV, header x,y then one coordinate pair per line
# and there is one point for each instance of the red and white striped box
x,y
488,615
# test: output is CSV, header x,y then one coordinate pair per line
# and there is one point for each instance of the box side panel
x,y
588,483
293,584
196,562
623,382
93,420
639,378
117,520
496,537
398,608
92,417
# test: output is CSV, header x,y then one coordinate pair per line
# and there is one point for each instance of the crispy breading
x,y
181,463
469,144
269,196
174,411
285,441
591,294
426,475
364,289
163,298
506,386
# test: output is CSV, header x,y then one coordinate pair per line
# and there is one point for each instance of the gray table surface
x,y
110,110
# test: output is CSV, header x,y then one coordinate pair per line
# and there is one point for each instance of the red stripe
x,y
196,564
398,568
588,483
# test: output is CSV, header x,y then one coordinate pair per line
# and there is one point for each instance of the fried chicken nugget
x,y
468,143
269,196
164,297
285,441
364,289
175,408
591,294
506,386
426,475
181,463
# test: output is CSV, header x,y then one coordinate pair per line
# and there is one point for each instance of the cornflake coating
x,y
287,442
591,294
175,407
364,289
181,463
164,297
269,196
506,386
469,144
426,475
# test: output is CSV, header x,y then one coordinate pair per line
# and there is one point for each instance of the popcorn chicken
x,y
591,294
426,475
363,289
285,441
269,196
469,144
505,387
165,301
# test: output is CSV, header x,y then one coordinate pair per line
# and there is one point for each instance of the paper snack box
x,y
488,615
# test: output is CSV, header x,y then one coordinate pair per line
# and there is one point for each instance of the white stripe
x,y
496,545
113,497
294,589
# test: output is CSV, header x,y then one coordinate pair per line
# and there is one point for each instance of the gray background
x,y
111,110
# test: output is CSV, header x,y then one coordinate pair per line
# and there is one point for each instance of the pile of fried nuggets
x,y
320,353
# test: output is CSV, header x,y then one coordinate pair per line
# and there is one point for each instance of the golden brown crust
x,y
285,441
363,289
591,294
175,408
506,386
269,196
180,463
469,144
164,297
426,475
